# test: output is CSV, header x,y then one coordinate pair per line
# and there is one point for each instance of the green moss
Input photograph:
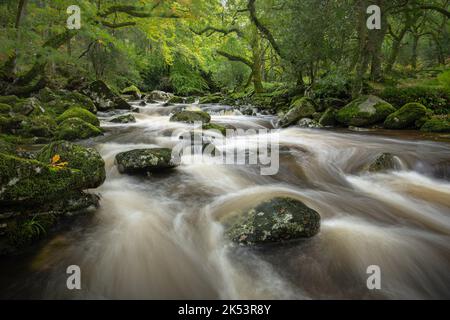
x,y
328,118
176,99
217,127
87,160
364,111
436,125
212,98
191,117
31,182
75,129
26,230
5,108
9,124
77,99
78,112
144,160
11,100
301,107
407,116
39,126
133,90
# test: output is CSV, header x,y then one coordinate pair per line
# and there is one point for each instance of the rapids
x,y
161,237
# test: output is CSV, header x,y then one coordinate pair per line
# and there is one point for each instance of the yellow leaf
x,y
55,158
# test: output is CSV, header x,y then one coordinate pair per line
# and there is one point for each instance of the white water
x,y
161,236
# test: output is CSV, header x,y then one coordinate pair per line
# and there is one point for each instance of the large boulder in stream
x,y
301,108
364,111
191,117
384,162
410,116
104,98
273,221
87,160
144,161
76,129
133,91
124,118
81,113
157,95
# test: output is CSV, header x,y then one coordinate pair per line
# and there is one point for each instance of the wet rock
x,y
308,123
157,95
142,103
125,118
76,129
364,111
384,162
275,221
104,98
411,115
301,108
191,117
176,99
216,127
132,91
87,160
142,161
248,110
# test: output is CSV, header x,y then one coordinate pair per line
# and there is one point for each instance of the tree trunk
x,y
396,45
414,52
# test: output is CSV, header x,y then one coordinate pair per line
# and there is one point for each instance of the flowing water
x,y
161,236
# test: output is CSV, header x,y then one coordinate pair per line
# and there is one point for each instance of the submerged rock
x,y
300,108
76,129
384,162
191,117
411,115
274,221
104,98
144,160
364,111
124,118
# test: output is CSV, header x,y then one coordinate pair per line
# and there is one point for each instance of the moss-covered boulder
x,y
5,108
302,107
157,95
78,112
124,118
410,116
216,127
30,106
364,111
437,124
76,129
384,162
10,124
78,99
11,100
87,160
38,126
143,161
191,117
133,91
104,98
28,182
61,100
274,221
328,118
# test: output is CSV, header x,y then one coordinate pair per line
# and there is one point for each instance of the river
x,y
161,236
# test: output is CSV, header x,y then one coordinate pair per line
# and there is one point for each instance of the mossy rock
x,y
39,126
441,125
143,161
104,98
30,106
176,99
410,116
216,127
76,98
87,160
213,98
63,100
10,124
78,112
46,95
191,117
158,95
364,111
384,162
29,182
124,118
328,118
301,107
132,90
277,220
11,100
5,108
309,123
76,129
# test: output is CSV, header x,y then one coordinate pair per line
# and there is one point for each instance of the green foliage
x,y
28,230
444,80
